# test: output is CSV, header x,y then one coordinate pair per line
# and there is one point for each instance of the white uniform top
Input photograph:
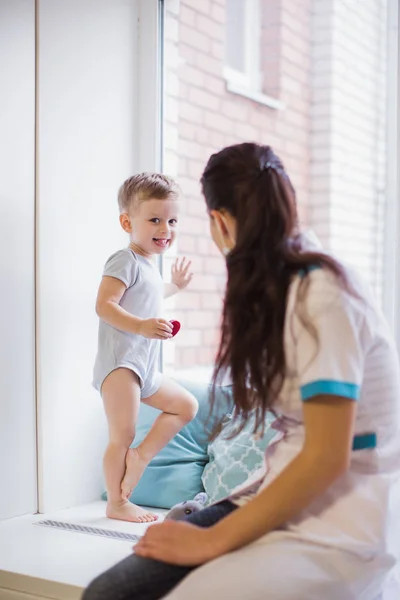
x,y
355,358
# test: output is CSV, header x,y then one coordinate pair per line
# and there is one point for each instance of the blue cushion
x,y
174,475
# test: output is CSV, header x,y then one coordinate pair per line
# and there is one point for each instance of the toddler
x,y
129,305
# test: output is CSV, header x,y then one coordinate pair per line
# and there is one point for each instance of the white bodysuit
x,y
143,298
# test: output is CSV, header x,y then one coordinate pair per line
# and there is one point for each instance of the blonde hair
x,y
145,186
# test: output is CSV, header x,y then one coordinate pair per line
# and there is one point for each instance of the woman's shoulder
x,y
322,281
321,289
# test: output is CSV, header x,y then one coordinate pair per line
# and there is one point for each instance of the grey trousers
x,y
137,578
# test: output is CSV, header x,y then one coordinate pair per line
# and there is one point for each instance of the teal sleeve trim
x,y
309,269
364,441
330,387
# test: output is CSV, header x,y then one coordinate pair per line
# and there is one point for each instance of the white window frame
x,y
249,82
391,281
251,78
150,83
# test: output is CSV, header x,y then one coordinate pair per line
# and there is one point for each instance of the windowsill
x,y
37,563
42,563
258,97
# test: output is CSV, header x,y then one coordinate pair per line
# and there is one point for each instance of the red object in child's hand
x,y
175,327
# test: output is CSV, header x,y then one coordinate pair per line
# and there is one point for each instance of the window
x,y
314,87
242,44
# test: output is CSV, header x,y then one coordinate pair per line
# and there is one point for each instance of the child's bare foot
x,y
126,511
135,465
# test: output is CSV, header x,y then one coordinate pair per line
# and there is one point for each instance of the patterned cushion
x,y
232,462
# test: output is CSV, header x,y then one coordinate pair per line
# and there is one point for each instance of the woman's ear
x,y
219,221
125,221
225,224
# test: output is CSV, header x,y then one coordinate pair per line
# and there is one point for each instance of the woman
x,y
303,338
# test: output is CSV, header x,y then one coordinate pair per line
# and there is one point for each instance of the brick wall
x,y
347,200
202,116
306,68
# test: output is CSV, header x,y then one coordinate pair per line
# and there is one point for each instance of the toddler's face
x,y
153,225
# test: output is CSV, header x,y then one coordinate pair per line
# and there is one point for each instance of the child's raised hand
x,y
158,329
181,275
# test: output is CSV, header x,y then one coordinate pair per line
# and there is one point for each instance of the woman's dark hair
x,y
249,182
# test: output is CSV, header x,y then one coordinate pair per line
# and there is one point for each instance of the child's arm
x,y
170,289
180,277
108,309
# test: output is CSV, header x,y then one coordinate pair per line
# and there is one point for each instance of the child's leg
x,y
121,397
178,408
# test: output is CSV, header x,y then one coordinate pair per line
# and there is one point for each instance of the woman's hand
x,y
180,274
178,543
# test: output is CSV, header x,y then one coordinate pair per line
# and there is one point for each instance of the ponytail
x,y
249,182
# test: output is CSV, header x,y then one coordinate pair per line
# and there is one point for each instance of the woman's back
x,y
353,356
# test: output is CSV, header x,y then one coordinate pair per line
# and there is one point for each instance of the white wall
x,y
87,143
17,189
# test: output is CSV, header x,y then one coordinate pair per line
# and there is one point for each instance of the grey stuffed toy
x,y
181,511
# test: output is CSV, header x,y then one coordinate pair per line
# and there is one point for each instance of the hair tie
x,y
265,168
